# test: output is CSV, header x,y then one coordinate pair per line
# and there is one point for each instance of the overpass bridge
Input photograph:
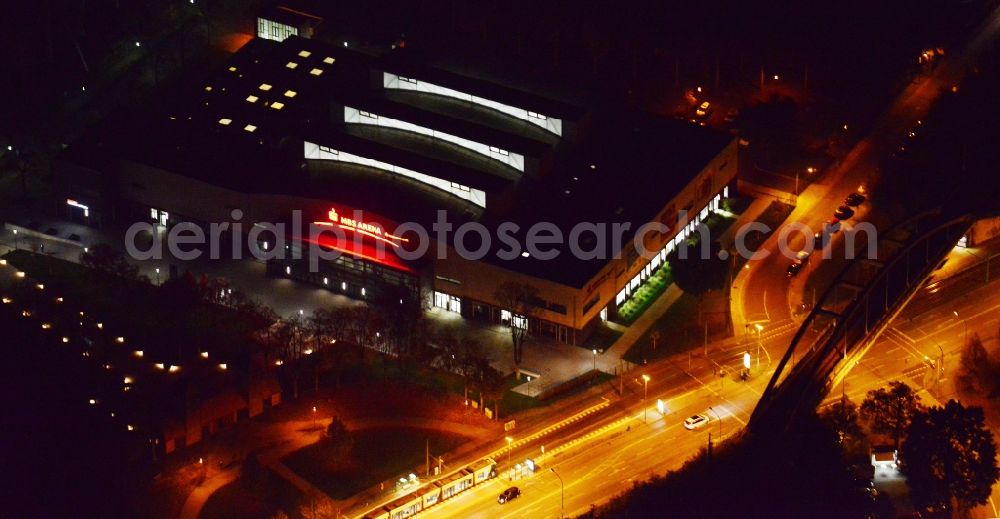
x,y
853,311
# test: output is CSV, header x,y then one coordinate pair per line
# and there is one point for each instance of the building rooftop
x,y
243,128
624,170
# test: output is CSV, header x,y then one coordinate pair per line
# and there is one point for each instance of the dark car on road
x,y
507,495
800,261
854,199
843,212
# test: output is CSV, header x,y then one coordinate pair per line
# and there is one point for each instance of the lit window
x,y
328,60
277,105
327,149
460,187
289,93
534,115
265,87
225,122
252,98
208,88
369,115
304,53
408,80
250,128
291,65
316,71
498,151
232,69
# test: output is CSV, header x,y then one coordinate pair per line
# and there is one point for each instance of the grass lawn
x,y
375,456
239,499
678,331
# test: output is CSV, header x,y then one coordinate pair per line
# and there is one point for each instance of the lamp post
x,y
595,359
157,276
562,492
645,384
720,421
965,337
510,441
16,246
314,416
759,329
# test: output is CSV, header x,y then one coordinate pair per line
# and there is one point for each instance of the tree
x,y
491,386
105,258
949,457
979,372
890,411
469,360
842,419
520,300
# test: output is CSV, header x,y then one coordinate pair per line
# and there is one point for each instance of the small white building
x,y
885,462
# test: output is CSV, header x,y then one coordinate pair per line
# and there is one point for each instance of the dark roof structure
x,y
244,128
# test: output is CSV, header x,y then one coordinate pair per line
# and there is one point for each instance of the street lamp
x,y
965,337
314,416
759,329
157,276
15,240
595,359
645,383
510,441
720,421
562,492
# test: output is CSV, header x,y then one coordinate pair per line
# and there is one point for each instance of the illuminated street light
x,y
562,492
16,246
720,421
645,383
759,328
965,322
510,442
595,359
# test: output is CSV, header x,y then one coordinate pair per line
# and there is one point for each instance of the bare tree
x,y
518,299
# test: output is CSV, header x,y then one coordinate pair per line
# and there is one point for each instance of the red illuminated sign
x,y
370,229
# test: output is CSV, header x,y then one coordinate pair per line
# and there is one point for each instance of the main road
x,y
631,440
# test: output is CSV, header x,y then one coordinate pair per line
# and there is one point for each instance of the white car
x,y
696,421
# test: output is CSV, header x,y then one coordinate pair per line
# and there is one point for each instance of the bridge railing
x,y
897,278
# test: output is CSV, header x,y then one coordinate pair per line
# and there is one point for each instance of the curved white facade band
x,y
317,152
393,81
355,116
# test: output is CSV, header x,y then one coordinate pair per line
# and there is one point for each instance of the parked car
x,y
854,199
507,495
831,226
800,261
731,115
819,240
843,212
696,421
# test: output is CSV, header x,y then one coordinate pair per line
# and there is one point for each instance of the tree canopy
x,y
949,457
890,410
